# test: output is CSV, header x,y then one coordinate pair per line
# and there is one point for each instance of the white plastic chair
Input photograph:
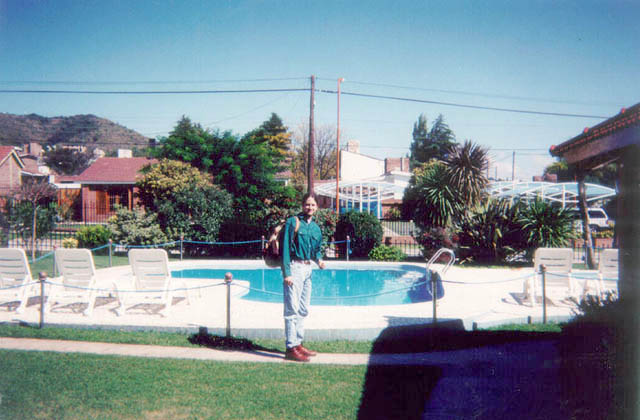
x,y
558,279
15,278
152,281
77,281
607,268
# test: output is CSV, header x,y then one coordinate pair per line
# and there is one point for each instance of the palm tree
x,y
466,166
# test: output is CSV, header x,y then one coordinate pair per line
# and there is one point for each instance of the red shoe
x,y
296,355
305,351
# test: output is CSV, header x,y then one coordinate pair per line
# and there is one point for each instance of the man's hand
x,y
288,281
321,265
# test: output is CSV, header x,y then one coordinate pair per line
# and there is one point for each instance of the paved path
x,y
518,353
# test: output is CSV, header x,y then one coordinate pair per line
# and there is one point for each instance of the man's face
x,y
310,206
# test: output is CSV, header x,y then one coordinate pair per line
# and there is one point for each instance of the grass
x,y
41,385
158,338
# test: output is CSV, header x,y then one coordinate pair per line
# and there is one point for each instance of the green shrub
x,y
596,349
70,243
490,232
363,229
197,213
394,213
604,233
327,220
545,225
135,227
431,239
387,253
92,236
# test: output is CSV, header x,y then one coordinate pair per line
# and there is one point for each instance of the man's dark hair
x,y
309,195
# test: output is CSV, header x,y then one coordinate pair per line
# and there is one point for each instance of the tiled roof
x,y
30,165
114,170
5,151
626,118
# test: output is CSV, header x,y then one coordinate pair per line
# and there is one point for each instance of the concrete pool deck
x,y
478,297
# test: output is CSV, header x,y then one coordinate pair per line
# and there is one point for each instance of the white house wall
x,y
354,166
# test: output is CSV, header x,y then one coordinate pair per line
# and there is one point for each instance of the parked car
x,y
596,216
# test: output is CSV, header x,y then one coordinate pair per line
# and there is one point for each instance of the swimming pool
x,y
338,285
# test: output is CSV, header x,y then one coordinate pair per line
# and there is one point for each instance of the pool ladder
x,y
441,272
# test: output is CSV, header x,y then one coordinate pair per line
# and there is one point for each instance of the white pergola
x,y
565,193
364,196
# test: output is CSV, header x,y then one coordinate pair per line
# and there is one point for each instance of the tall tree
x,y
440,191
67,161
244,167
466,166
276,134
325,153
606,175
277,137
37,195
431,143
188,142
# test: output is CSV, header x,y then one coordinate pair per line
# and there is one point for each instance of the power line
x,y
144,82
463,92
150,92
357,94
487,108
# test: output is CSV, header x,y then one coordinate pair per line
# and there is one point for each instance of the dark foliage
x,y
364,231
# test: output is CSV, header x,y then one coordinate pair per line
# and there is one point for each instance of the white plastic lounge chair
x,y
77,281
607,268
152,281
15,278
558,263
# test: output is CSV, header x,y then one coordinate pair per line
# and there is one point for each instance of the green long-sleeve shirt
x,y
304,245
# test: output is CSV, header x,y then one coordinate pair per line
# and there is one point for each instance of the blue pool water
x,y
341,286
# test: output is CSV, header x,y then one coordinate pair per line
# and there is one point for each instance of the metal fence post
x,y
262,244
55,273
181,246
228,278
110,252
42,276
434,292
543,270
348,247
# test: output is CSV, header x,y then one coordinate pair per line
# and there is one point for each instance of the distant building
x,y
546,178
366,183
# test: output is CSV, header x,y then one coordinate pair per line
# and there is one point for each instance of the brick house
x,y
11,167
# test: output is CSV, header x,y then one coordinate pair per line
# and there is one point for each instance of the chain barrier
x,y
17,286
207,286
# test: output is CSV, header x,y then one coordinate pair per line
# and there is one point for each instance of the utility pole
x,y
340,80
513,167
312,136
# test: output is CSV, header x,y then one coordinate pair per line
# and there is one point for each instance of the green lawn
x,y
43,385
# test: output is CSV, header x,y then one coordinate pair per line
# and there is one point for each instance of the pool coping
x,y
475,307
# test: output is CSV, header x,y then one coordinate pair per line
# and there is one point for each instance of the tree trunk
x,y
586,229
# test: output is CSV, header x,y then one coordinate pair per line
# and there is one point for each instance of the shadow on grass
x,y
404,391
448,334
203,338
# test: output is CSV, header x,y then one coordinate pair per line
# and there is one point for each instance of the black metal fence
x,y
399,233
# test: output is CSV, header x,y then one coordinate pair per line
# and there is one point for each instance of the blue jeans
x,y
297,298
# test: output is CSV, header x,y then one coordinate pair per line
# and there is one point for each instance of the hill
x,y
77,130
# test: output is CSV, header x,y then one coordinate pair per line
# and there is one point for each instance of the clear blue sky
x,y
575,57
